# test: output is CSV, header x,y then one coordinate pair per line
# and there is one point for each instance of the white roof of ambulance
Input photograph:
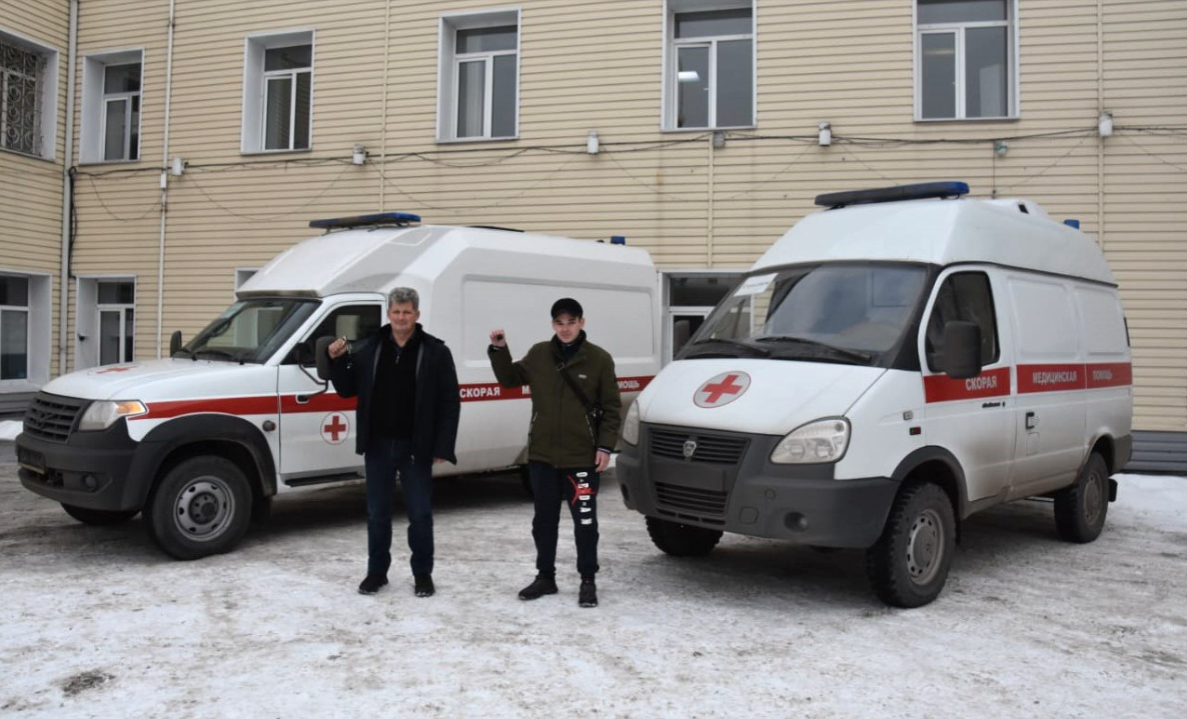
x,y
942,232
373,259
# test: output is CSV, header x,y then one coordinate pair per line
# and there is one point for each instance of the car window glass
x,y
964,296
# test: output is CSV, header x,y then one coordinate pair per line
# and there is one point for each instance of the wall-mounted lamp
x,y
1001,147
1105,126
591,143
178,168
825,138
358,156
718,139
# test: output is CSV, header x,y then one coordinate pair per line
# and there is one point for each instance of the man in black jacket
x,y
407,422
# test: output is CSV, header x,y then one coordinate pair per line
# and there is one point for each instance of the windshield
x,y
249,331
851,313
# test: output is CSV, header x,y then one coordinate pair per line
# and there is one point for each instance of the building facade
x,y
200,136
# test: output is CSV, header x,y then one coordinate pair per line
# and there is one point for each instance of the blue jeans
x,y
578,488
383,459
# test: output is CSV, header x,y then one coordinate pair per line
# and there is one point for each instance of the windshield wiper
x,y
217,353
751,349
183,349
855,355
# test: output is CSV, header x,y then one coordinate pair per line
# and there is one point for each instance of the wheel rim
x,y
1094,498
203,508
925,547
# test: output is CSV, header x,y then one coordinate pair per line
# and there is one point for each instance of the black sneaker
x,y
588,595
371,584
541,585
424,585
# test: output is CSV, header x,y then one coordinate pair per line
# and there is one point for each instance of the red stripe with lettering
x,y
331,402
1050,378
991,383
1109,374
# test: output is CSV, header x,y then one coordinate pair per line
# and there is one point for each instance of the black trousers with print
x,y
578,488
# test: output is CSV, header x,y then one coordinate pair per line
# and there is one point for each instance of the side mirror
x,y
303,354
321,354
174,342
962,350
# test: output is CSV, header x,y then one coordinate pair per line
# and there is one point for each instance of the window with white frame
x,y
14,327
28,88
965,65
479,76
110,129
278,92
116,322
710,64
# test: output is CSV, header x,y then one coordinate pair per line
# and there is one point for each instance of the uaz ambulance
x,y
893,364
202,441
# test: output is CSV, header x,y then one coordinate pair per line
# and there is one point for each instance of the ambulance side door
x,y
318,430
971,418
1051,411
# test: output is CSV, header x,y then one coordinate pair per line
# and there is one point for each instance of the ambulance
x,y
201,442
896,362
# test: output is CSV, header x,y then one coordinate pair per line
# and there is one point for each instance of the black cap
x,y
567,306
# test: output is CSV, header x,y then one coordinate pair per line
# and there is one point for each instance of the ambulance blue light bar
x,y
918,191
399,219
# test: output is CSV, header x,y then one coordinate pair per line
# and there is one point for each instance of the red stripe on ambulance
x,y
990,383
1050,378
330,402
1109,374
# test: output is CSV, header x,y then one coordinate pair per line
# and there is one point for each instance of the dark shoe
x,y
588,595
424,585
541,585
372,583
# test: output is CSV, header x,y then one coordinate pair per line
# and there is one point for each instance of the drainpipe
x,y
64,288
164,179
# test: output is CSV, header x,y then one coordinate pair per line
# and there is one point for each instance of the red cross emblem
x,y
115,369
335,428
722,389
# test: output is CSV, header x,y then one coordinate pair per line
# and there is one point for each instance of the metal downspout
x,y
165,179
64,288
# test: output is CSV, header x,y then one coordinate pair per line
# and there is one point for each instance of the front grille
x,y
52,417
697,503
712,449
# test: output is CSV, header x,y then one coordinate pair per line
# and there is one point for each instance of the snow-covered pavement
x,y
97,622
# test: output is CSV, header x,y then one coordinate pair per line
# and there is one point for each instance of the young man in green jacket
x,y
575,422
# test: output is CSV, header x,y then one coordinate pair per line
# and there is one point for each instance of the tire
x,y
201,507
682,540
908,565
1080,509
99,517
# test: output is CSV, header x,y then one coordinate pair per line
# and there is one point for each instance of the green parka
x,y
561,433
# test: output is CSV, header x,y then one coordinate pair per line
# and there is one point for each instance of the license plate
x,y
30,460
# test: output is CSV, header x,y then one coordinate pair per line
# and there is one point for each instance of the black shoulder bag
x,y
593,410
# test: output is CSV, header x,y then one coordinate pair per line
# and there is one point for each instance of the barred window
x,y
21,71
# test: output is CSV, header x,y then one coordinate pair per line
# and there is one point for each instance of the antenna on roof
x,y
382,219
918,191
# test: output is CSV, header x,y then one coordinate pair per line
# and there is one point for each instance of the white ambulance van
x,y
202,441
893,364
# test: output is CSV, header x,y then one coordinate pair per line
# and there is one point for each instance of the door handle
x,y
1031,420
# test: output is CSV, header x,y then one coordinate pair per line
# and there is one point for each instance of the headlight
x,y
101,415
630,425
824,440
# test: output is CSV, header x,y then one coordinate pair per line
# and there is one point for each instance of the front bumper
x,y
798,503
90,469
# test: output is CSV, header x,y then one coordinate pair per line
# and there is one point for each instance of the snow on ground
x,y
9,429
97,622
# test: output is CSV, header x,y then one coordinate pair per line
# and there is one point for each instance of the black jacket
x,y
438,401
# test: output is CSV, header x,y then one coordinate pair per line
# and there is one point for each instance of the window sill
x,y
709,129
302,151
85,163
965,120
471,140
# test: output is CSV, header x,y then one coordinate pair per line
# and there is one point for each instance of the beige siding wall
x,y
31,188
598,66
